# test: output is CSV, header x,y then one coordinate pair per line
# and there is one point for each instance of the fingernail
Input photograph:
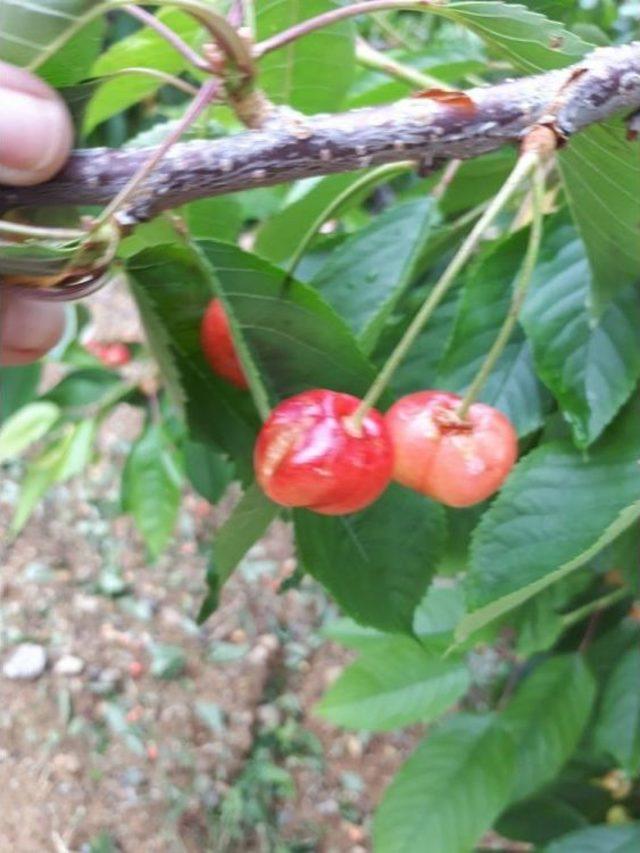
x,y
35,135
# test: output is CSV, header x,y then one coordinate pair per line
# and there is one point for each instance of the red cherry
x,y
457,462
309,454
116,355
111,355
218,346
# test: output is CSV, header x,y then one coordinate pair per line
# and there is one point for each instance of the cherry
x,y
458,461
310,454
111,355
218,346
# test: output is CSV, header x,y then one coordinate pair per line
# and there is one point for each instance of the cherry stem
x,y
169,35
394,37
162,76
364,7
601,603
368,180
450,171
37,232
376,60
236,14
205,95
519,294
525,165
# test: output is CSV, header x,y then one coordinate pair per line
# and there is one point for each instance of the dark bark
x,y
293,146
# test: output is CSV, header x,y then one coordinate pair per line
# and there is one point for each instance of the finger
x,y
36,133
28,328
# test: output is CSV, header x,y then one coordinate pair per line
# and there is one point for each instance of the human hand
x,y
36,135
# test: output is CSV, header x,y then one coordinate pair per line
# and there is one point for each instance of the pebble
x,y
69,665
27,662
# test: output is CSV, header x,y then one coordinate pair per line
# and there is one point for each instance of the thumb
x,y
36,133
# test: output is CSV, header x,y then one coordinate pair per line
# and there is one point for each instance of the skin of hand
x,y
36,135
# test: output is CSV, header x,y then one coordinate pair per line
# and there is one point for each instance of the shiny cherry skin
x,y
309,454
218,347
457,462
111,355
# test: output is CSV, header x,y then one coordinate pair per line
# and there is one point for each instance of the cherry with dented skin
x,y
310,454
218,347
457,461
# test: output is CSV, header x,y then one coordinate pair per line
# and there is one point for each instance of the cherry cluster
x,y
313,451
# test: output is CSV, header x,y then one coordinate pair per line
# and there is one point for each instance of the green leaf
x,y
367,275
394,685
278,237
606,652
557,510
439,612
144,48
18,387
419,369
160,230
434,619
590,369
218,218
546,718
63,459
72,62
540,819
246,524
539,624
311,74
601,174
295,340
151,489
530,41
476,181
354,636
599,839
27,425
450,791
618,727
512,386
86,387
28,30
209,472
357,557
173,286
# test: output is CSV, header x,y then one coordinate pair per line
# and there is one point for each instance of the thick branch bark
x,y
292,146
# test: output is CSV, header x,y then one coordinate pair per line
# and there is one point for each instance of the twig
x,y
168,35
36,232
378,61
162,76
206,94
365,7
451,170
236,14
589,634
601,603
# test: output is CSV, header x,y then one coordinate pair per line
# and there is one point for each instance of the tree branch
x,y
291,146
